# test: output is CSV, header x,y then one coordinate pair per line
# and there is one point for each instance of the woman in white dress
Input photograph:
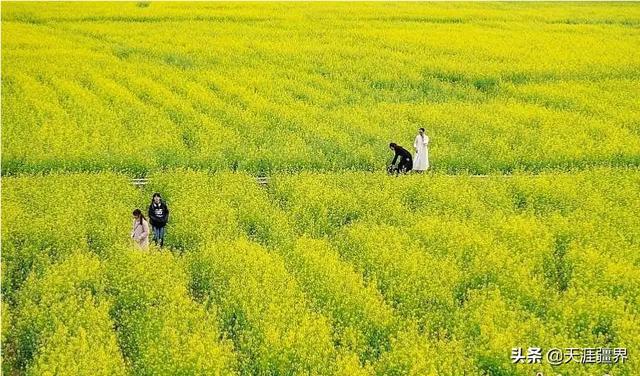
x,y
421,161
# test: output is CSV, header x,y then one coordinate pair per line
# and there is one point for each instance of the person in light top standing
x,y
421,143
158,216
140,231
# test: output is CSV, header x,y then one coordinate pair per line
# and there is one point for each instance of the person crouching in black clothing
x,y
158,217
403,157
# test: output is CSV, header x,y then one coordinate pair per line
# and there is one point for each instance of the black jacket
x,y
158,214
403,154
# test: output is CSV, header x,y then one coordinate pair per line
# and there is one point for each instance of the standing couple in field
x,y
403,162
158,215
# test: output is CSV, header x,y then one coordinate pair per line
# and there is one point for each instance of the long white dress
x,y
421,160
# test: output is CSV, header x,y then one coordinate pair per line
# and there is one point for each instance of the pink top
x,y
140,233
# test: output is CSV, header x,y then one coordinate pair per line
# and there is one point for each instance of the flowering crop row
x,y
61,323
264,310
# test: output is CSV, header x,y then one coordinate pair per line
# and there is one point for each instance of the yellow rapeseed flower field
x,y
289,87
333,267
321,273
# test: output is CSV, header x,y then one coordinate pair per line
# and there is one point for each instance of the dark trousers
x,y
404,166
158,234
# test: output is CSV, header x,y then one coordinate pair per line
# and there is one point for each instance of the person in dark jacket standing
x,y
403,157
158,216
